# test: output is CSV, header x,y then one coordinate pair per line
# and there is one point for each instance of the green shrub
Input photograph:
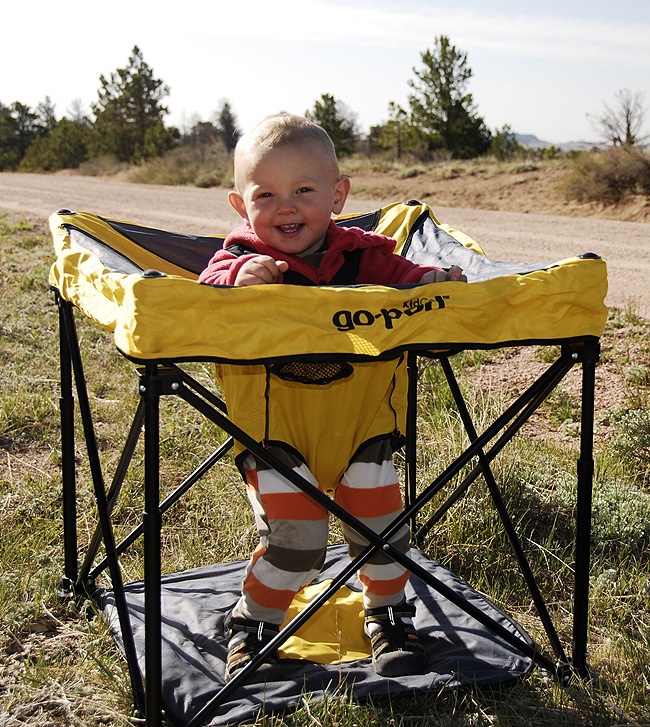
x,y
638,375
65,148
199,165
101,166
627,316
633,443
608,176
410,172
522,168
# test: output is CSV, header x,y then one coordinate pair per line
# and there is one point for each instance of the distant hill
x,y
532,142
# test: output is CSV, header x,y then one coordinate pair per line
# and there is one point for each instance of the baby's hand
x,y
260,270
454,274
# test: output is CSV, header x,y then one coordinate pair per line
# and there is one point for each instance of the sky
x,y
541,68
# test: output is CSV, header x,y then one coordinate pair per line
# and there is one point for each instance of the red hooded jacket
x,y
352,256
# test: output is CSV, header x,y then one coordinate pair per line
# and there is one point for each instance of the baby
x,y
287,187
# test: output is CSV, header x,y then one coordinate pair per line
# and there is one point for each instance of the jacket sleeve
x,y
223,268
382,267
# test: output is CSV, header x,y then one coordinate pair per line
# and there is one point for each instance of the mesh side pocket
x,y
304,372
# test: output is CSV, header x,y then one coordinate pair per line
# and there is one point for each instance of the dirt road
x,y
503,235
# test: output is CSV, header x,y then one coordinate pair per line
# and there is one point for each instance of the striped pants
x,y
293,531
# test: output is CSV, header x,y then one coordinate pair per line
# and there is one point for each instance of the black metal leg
x,y
74,353
502,510
86,576
68,475
523,409
168,502
152,521
410,485
590,355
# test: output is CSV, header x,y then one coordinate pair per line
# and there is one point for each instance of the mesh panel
x,y
304,372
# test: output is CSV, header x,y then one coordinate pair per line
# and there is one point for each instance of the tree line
x,y
126,122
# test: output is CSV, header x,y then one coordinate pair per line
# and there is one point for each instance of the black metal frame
x,y
159,379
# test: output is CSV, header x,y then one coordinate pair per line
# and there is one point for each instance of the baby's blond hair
x,y
277,131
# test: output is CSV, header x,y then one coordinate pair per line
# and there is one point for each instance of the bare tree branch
x,y
622,124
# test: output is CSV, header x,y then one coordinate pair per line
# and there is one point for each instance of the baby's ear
x,y
341,192
237,203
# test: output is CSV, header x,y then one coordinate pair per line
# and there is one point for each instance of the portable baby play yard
x,y
140,283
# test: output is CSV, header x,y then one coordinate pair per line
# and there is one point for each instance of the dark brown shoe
x,y
247,639
396,647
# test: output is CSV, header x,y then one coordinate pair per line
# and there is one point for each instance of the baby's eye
x,y
264,195
304,189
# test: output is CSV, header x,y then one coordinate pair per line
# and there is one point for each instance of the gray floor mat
x,y
460,651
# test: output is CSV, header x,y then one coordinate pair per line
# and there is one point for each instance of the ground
x,y
523,188
514,369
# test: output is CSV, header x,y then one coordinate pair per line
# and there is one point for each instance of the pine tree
x,y
18,129
129,113
338,121
440,105
226,124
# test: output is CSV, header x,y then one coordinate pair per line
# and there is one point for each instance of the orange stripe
x,y
292,506
251,478
259,551
268,597
373,502
384,588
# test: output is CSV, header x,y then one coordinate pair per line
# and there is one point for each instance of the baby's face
x,y
289,196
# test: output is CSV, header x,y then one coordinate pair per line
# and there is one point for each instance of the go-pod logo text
x,y
347,320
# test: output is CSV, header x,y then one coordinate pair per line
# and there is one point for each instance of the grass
x,y
58,664
202,166
410,167
211,166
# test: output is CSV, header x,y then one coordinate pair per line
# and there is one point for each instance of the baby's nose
x,y
286,204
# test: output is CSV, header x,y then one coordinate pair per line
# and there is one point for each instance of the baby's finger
x,y
267,268
456,274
